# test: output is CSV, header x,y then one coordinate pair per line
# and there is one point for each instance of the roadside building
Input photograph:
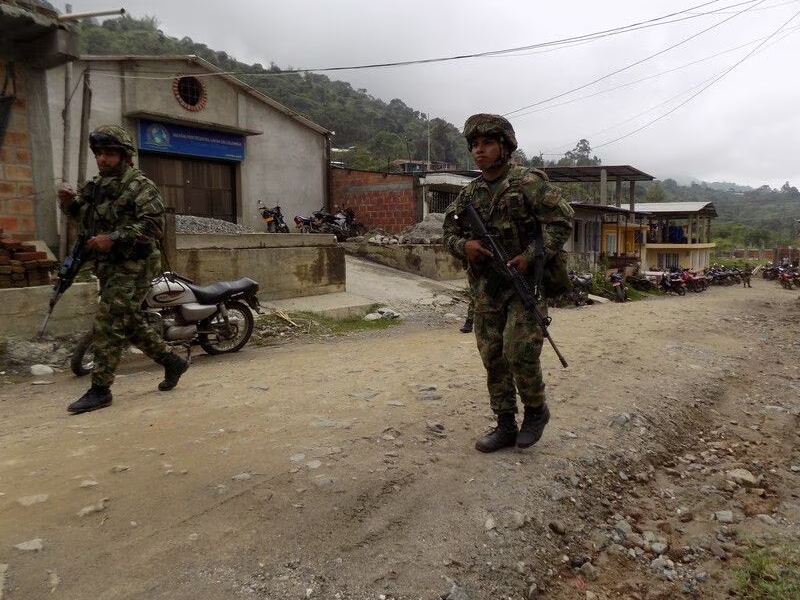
x,y
215,146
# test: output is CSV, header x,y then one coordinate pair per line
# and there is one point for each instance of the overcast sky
x,y
704,90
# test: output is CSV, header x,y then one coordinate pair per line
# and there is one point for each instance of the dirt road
x,y
345,469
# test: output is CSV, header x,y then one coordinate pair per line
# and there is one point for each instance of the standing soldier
x,y
513,202
747,273
122,212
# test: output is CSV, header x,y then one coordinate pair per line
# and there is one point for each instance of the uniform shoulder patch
x,y
540,173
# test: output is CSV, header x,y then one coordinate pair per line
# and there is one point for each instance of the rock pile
x,y
427,231
192,224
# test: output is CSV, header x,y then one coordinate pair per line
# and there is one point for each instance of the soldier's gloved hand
x,y
475,251
101,242
520,263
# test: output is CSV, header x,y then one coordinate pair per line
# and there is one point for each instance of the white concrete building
x,y
214,145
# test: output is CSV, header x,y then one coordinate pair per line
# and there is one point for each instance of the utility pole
x,y
429,141
61,225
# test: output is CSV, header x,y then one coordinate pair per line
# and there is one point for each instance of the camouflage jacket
x,y
130,205
523,199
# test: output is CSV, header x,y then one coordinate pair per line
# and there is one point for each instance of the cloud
x,y
622,92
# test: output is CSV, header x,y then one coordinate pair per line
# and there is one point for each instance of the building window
x,y
611,243
189,92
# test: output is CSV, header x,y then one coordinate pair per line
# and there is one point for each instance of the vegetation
x,y
371,134
769,574
276,327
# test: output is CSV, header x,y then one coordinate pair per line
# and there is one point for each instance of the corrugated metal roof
x,y
677,208
591,174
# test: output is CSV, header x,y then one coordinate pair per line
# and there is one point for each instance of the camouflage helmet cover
x,y
490,126
112,136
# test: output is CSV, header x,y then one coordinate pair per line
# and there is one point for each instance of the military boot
x,y
174,367
533,424
466,327
97,396
502,436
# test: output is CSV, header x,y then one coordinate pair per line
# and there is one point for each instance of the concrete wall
x,y
428,260
389,201
22,310
284,265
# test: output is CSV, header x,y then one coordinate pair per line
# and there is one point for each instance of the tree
x,y
579,156
655,193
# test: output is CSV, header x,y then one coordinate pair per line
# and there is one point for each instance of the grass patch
x,y
273,327
769,573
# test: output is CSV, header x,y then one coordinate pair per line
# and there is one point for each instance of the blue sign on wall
x,y
192,141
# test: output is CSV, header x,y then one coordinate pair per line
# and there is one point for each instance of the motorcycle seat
x,y
583,279
222,290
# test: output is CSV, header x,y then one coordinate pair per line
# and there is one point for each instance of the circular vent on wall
x,y
189,92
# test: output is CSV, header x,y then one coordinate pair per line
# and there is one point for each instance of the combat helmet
x,y
112,136
490,126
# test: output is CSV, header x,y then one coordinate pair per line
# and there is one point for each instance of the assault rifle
x,y
74,261
470,218
66,275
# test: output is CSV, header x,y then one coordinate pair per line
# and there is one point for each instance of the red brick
x,y
18,173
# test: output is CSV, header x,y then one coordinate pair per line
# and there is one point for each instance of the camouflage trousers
x,y
119,321
510,344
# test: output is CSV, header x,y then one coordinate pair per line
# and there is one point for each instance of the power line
x,y
652,108
695,95
505,52
636,63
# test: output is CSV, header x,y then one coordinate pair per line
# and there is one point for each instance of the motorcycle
x,y
581,285
786,277
343,224
693,281
672,283
618,283
217,317
346,221
310,224
273,219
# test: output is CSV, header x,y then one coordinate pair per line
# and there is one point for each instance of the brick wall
x,y
389,201
16,175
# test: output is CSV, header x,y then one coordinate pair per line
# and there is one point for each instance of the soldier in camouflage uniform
x,y
512,201
123,212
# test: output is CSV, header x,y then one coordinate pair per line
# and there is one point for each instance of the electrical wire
x,y
491,53
703,89
633,64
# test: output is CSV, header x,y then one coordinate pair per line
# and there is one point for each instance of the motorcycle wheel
x,y
620,293
82,360
283,229
681,290
219,339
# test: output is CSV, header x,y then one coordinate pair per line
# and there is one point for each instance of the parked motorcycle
x,y
672,283
273,219
307,224
693,281
217,317
787,277
343,224
581,286
620,289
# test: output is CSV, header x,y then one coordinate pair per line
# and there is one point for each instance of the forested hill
x,y
377,132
